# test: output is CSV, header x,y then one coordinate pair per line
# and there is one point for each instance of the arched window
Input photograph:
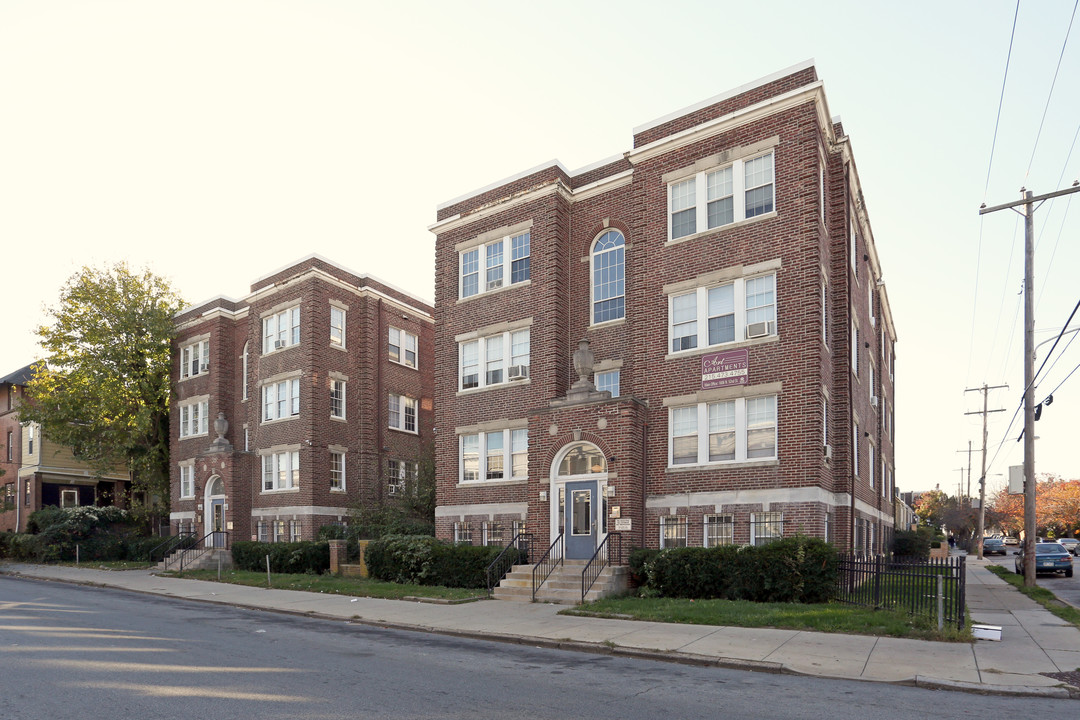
x,y
608,282
215,486
582,459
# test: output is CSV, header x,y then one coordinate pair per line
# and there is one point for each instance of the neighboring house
x,y
688,344
39,472
308,396
905,515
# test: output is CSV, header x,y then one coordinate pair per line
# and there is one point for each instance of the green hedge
x,y
423,560
285,557
796,569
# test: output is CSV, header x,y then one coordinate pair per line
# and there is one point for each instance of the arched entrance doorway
x,y
215,512
578,506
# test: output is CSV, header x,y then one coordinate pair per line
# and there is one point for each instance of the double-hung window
x,y
402,413
281,399
402,347
854,349
608,381
337,326
497,455
710,316
337,399
726,431
673,531
766,527
491,266
193,419
187,481
194,359
337,471
714,198
281,470
504,357
281,329
719,530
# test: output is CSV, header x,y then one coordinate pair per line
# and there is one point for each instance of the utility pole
x,y
985,389
1028,201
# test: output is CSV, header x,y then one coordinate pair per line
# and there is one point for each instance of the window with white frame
x,y
719,530
403,347
337,471
821,190
337,399
193,418
295,529
194,359
281,530
714,198
402,413
608,381
608,261
855,451
824,314
507,257
854,349
462,533
487,455
493,533
853,243
281,329
730,430
398,473
673,531
281,470
824,421
244,373
505,358
281,399
337,326
870,464
766,527
187,481
708,316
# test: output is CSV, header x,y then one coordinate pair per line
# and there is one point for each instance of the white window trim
x,y
344,396
741,429
343,486
404,402
197,352
705,527
187,468
507,265
188,407
402,344
702,314
617,373
344,324
753,525
507,453
507,360
855,452
680,521
292,473
701,203
270,340
592,284
293,385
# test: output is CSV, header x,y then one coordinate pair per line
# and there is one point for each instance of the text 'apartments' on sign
x,y
724,369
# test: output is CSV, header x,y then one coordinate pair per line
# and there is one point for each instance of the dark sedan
x,y
1050,557
994,546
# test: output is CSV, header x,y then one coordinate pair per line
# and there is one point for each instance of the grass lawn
x,y
827,617
1039,594
112,564
355,586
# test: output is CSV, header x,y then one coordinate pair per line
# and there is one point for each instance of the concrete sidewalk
x,y
1033,640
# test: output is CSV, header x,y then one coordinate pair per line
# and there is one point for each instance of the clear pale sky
x,y
215,141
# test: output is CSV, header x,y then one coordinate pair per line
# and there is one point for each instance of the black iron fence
x,y
908,584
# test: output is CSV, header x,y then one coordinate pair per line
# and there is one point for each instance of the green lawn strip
x,y
331,584
826,617
1039,594
111,564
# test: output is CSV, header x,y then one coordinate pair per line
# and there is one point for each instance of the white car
x,y
1070,544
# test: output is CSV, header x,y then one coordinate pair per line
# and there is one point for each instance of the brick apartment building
x,y
688,344
311,394
39,472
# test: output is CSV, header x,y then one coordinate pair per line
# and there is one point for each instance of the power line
x,y
1001,99
1049,95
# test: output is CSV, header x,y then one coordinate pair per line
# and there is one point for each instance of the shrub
x,y
796,569
910,543
285,557
423,560
86,533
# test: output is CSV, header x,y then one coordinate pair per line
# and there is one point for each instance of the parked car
x,y
1070,544
994,546
1050,557
1011,540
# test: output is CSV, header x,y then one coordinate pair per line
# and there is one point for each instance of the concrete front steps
x,y
207,561
563,586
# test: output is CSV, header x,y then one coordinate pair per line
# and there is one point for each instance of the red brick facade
x,y
304,418
798,364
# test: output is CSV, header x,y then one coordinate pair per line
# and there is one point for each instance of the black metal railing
x,y
550,560
515,553
608,553
215,540
905,583
172,543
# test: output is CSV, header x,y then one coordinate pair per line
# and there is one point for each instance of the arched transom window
x,y
583,459
608,277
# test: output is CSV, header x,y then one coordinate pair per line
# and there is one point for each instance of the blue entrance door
x,y
217,520
580,530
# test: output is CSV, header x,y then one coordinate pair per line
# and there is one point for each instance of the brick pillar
x,y
337,552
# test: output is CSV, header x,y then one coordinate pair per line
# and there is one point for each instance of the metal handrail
x,y
600,560
197,550
547,564
170,544
498,568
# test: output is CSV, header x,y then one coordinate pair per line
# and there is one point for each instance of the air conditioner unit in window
x,y
204,367
393,488
517,372
873,321
278,344
758,329
828,452
873,401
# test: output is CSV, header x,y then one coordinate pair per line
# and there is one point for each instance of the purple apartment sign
x,y
724,369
